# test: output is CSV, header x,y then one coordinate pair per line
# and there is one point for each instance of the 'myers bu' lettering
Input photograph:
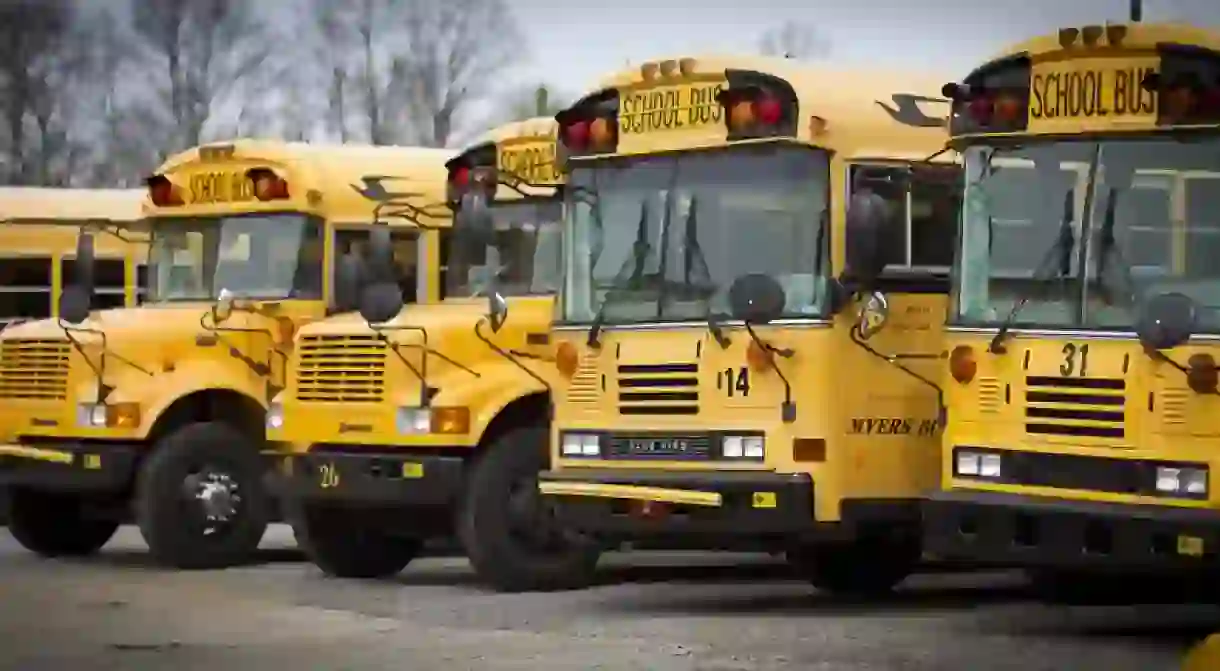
x,y
669,108
534,163
1094,93
893,426
220,187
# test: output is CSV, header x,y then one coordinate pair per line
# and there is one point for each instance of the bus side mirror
x,y
756,298
380,296
873,315
76,299
497,311
472,224
867,215
1166,321
222,309
348,275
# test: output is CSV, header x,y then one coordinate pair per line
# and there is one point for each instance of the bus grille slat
x,y
34,369
1077,407
340,369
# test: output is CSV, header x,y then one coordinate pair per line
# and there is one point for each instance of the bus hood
x,y
439,318
129,329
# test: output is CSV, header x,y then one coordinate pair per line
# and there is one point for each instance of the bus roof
x,y
331,176
1138,35
525,148
868,113
28,204
536,127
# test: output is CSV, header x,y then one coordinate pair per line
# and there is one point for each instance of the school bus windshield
x,y
523,258
1151,213
662,238
273,256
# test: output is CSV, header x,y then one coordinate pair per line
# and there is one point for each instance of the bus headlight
x,y
413,421
108,415
742,447
274,418
977,464
580,445
91,416
1181,480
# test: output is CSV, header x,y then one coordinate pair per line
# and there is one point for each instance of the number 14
x,y
735,381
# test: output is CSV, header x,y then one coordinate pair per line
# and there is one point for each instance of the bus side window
x,y
404,242
936,200
141,283
25,287
108,277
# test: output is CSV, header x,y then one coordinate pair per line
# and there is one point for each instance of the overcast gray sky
x,y
573,44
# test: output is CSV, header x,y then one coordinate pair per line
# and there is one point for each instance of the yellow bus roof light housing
x,y
267,184
994,99
588,127
163,192
757,105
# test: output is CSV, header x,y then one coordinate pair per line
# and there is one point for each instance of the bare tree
x,y
122,150
458,49
533,100
792,39
407,71
34,58
206,53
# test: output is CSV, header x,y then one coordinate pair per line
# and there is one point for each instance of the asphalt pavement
x,y
650,612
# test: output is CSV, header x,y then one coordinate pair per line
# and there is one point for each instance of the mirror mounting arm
x,y
421,373
508,354
896,360
788,409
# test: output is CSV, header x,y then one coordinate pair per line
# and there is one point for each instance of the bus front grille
x,y
340,369
34,369
658,389
1076,407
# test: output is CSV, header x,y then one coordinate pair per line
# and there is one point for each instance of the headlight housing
x,y
974,463
1181,481
744,447
416,421
108,415
274,417
580,445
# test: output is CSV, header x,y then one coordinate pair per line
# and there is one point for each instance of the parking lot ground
x,y
650,612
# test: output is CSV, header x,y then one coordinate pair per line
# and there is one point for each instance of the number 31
x,y
1075,360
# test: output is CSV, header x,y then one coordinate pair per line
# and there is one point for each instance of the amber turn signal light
x,y
1201,374
567,359
962,364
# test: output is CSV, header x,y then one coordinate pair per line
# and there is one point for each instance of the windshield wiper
x,y
1061,251
1106,246
636,263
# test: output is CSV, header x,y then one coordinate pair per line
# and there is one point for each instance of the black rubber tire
x,y
55,524
335,541
869,566
485,529
163,515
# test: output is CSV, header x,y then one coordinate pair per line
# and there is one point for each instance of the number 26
x,y
735,381
1075,360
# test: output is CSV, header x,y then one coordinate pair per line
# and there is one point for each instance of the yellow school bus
x,y
1082,387
418,423
38,229
721,383
155,413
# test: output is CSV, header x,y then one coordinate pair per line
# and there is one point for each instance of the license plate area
x,y
660,446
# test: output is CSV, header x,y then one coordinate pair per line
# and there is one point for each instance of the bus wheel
x,y
507,529
865,567
54,524
338,543
200,501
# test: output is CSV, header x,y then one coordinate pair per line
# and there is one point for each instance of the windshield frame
x,y
183,222
1084,281
824,162
456,252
